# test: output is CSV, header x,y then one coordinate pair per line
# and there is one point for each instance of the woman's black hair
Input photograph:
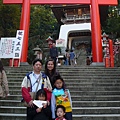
x,y
1,66
41,92
60,106
51,74
36,60
46,69
56,78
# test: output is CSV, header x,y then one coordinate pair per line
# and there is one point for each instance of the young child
x,y
61,96
87,61
60,112
42,113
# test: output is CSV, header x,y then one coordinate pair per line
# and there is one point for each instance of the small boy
x,y
60,112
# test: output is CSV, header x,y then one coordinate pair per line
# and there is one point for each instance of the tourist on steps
x,y
4,89
72,58
67,56
34,81
54,52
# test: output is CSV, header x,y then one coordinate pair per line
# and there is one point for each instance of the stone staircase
x,y
95,92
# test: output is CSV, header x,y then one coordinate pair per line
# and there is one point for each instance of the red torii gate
x,y
95,22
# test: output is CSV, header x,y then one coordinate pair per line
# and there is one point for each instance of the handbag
x,y
32,94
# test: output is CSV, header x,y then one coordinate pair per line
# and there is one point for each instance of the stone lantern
x,y
38,52
49,41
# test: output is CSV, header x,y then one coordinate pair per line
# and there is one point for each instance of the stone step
x,y
61,67
78,97
9,116
12,116
96,103
96,110
89,80
97,117
80,80
94,77
7,102
18,103
69,72
77,70
64,72
18,92
76,84
75,110
74,75
85,88
81,88
80,76
12,109
93,88
96,98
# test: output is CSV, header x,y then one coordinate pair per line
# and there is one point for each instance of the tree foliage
x,y
42,21
42,24
113,21
9,19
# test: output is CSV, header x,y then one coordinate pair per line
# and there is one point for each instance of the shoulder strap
x,y
28,78
37,84
43,77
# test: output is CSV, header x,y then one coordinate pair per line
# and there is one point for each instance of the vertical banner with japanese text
x,y
18,44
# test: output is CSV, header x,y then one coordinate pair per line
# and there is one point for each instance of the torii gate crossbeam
x,y
95,22
100,2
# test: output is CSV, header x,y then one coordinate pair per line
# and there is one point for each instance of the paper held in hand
x,y
39,103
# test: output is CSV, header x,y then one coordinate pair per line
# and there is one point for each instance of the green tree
x,y
9,19
112,24
42,24
42,21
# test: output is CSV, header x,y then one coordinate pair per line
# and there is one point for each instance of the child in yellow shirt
x,y
61,96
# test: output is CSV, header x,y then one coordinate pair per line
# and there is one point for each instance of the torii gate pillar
x,y
24,25
96,33
95,21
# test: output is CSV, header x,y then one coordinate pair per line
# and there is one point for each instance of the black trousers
x,y
28,117
68,115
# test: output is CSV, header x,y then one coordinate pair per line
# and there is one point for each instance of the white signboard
x,y
7,47
12,47
60,43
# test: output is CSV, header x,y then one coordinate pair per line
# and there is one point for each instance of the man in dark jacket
x,y
54,52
